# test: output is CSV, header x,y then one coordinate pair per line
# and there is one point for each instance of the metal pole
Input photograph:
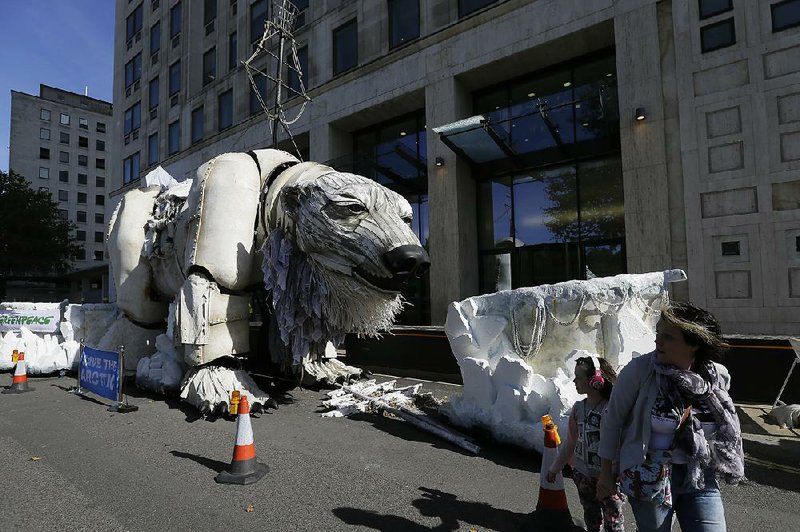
x,y
278,82
121,372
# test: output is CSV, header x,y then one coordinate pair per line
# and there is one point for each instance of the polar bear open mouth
x,y
392,284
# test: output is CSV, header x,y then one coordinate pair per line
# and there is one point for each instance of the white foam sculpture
x,y
517,348
49,353
331,249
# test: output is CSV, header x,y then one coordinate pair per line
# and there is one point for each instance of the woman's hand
x,y
605,485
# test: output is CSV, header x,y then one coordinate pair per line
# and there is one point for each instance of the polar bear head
x,y
339,249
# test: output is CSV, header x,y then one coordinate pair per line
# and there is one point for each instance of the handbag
x,y
650,480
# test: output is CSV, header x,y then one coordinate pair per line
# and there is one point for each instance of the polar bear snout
x,y
407,261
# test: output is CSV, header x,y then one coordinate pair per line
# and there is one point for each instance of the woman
x,y
670,412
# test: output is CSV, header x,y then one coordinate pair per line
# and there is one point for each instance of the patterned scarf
x,y
722,451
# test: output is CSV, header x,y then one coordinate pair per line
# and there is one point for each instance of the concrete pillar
x,y
326,141
452,207
644,157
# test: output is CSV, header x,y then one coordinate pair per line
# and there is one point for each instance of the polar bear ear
x,y
291,198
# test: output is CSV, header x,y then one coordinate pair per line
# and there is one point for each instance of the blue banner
x,y
99,373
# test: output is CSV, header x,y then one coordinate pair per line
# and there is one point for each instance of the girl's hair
x,y
699,328
609,375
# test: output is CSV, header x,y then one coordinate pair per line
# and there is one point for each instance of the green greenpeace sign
x,y
33,320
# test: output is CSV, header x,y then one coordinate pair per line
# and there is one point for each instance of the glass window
x,y
133,24
302,6
294,76
261,85
100,182
98,236
101,127
63,137
44,114
80,235
64,119
175,20
258,17
83,142
44,173
175,77
403,21
63,157
44,153
209,66
133,118
100,145
155,37
174,138
100,199
133,70
225,110
152,94
63,176
465,7
233,62
44,133
81,216
99,218
83,179
709,8
83,160
83,123
98,255
785,15
82,198
345,47
197,124
152,149
100,163
718,35
209,11
63,195
130,171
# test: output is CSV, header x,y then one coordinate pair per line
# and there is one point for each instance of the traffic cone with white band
x,y
245,469
552,496
19,383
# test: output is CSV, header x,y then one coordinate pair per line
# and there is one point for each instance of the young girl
x,y
595,378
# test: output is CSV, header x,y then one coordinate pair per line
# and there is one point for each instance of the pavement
x,y
765,443
69,464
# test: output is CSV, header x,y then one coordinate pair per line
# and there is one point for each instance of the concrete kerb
x,y
765,443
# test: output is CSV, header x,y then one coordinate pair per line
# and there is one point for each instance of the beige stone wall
x,y
740,148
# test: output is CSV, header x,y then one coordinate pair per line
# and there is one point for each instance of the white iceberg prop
x,y
47,353
517,348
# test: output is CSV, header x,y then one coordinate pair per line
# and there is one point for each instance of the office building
x,y
61,142
537,140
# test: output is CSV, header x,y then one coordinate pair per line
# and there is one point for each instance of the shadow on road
x,y
451,511
507,456
81,395
210,463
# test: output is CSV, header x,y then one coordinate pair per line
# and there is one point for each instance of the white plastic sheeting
x,y
517,349
164,370
49,353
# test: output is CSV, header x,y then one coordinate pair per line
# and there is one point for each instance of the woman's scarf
x,y
723,451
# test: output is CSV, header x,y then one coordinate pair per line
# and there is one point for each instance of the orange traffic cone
x,y
551,494
245,469
19,383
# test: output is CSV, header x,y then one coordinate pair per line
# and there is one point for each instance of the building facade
x,y
61,142
537,140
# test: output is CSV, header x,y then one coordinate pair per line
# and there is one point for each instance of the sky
x,y
68,44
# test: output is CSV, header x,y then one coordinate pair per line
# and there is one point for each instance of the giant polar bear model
x,y
333,250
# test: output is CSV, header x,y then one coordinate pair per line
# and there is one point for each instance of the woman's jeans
x,y
697,510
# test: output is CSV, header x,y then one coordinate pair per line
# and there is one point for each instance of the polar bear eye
x,y
355,208
407,218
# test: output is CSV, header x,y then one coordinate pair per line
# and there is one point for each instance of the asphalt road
x,y
68,464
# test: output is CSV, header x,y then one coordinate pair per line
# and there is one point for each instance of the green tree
x,y
34,238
